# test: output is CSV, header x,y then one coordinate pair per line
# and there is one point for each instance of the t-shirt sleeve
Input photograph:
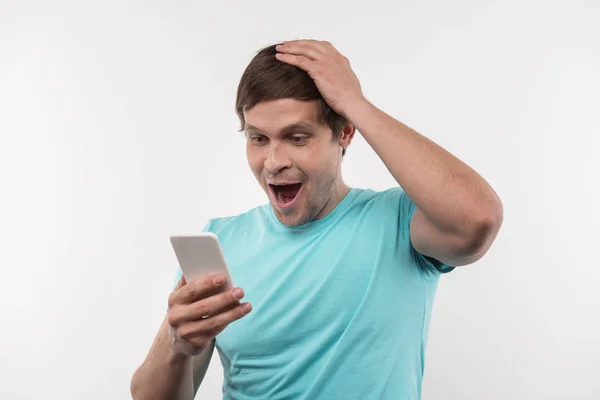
x,y
178,273
406,210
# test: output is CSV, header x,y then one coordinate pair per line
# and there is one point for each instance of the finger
x,y
328,45
214,325
209,306
310,49
181,283
297,61
318,44
193,291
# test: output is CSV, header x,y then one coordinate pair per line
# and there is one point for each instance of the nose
x,y
277,159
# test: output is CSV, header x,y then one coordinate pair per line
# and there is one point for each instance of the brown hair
x,y
266,78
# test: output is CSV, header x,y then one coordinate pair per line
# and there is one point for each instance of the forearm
x,y
163,375
451,194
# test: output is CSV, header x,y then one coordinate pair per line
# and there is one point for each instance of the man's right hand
x,y
200,310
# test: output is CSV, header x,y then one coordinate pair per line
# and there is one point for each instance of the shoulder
x,y
390,207
252,217
393,199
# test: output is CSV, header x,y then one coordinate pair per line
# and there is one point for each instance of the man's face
x,y
294,158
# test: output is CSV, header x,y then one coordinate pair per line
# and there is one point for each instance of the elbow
x,y
134,387
482,232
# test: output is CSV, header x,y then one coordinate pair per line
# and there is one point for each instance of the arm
x,y
458,213
180,354
166,375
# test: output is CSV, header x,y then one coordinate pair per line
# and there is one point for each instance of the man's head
x,y
295,141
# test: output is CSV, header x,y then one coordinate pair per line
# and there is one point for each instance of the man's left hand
x,y
329,69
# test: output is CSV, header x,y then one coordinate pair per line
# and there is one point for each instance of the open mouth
x,y
285,195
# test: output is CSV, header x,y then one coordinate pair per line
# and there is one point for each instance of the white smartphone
x,y
201,254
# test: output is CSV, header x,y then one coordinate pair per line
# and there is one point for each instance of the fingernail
x,y
219,280
246,308
238,293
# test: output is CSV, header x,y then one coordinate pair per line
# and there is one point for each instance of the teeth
x,y
279,197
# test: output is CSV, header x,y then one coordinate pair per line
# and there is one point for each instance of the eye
x,y
299,140
258,139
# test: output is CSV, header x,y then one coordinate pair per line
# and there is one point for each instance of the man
x,y
340,280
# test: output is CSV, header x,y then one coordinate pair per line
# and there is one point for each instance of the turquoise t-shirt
x,y
341,305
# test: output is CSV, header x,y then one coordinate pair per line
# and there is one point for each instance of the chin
x,y
294,218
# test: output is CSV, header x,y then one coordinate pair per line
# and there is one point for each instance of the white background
x,y
117,128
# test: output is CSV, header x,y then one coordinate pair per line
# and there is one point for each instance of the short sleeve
x,y
179,273
407,208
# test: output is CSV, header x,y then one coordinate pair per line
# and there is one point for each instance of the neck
x,y
339,192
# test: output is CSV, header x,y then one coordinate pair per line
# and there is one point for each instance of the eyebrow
x,y
298,126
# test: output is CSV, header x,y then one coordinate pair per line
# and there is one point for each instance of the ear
x,y
347,135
